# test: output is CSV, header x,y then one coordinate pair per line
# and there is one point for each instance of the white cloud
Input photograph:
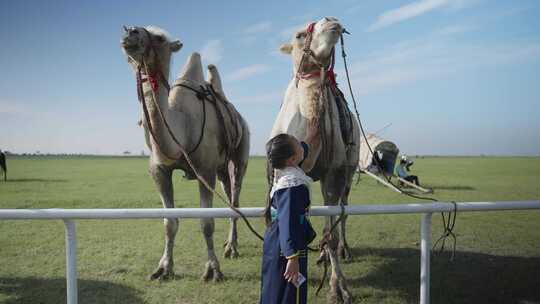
x,y
212,51
274,97
310,15
388,78
357,8
12,108
461,4
248,41
432,57
454,29
405,12
252,33
247,72
258,28
23,109
288,32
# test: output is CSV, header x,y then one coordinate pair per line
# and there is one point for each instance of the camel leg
x,y
212,270
332,189
237,170
163,179
230,243
343,248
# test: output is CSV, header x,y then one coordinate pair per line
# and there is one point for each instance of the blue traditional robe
x,y
286,237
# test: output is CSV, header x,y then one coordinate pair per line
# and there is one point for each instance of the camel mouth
x,y
131,47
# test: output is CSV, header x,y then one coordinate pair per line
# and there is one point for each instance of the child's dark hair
x,y
278,150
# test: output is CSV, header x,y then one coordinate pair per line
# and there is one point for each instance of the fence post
x,y
71,262
425,247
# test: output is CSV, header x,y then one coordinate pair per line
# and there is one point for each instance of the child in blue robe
x,y
285,239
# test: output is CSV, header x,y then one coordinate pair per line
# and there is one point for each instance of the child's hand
x,y
291,271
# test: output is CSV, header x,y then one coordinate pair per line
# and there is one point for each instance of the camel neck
x,y
310,87
156,100
156,96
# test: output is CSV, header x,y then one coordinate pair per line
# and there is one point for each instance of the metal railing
x,y
427,209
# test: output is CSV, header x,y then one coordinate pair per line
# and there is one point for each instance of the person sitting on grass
x,y
402,168
284,262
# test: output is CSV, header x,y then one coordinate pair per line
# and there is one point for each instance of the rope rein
x,y
448,226
452,215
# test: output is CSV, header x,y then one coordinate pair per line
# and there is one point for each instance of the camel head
x,y
150,44
325,34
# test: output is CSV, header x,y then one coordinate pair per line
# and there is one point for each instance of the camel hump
x,y
230,118
192,70
215,81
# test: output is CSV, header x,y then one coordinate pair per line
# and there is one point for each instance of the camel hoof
x,y
230,251
162,274
344,253
212,273
339,293
335,298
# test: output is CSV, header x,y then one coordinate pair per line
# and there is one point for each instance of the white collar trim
x,y
289,177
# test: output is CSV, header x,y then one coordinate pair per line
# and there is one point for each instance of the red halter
x,y
153,80
310,27
329,73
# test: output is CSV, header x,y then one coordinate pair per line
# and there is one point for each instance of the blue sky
x,y
453,77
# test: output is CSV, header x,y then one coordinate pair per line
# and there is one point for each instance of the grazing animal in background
x,y
314,105
3,164
205,124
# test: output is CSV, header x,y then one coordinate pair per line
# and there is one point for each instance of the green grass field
x,y
497,259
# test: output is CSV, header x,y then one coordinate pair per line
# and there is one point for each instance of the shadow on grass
x,y
471,278
45,291
42,180
453,187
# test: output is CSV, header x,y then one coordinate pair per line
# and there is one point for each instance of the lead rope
x,y
448,226
181,148
448,232
327,236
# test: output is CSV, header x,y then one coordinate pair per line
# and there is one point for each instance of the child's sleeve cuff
x,y
296,254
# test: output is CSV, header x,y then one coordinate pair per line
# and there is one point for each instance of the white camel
x,y
312,100
214,134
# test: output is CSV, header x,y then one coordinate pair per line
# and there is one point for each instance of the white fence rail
x,y
427,209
